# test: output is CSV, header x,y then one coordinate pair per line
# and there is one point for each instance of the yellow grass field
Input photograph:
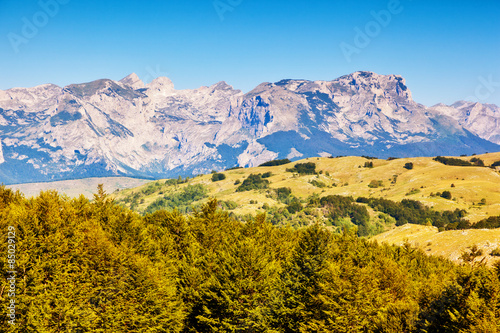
x,y
448,244
347,176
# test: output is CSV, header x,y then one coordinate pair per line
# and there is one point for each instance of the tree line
x,y
94,266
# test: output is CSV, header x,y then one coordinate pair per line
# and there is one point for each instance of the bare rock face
x,y
482,120
132,81
125,127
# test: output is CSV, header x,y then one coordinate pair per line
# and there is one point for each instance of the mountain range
x,y
128,128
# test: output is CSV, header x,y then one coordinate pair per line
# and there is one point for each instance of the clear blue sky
x,y
446,50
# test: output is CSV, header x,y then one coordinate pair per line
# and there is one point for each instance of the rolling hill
x,y
450,244
346,176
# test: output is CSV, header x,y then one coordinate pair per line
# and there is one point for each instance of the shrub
x,y
317,183
368,165
267,174
229,204
234,168
412,211
376,184
413,191
491,222
408,165
181,201
276,162
473,252
253,182
176,181
452,161
495,164
477,161
283,193
294,207
218,176
308,168
446,195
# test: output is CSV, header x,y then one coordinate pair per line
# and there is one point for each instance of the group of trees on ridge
x,y
94,266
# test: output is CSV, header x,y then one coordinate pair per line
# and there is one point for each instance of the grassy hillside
x,y
73,188
449,244
348,176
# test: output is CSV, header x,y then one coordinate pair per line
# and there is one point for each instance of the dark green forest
x,y
94,266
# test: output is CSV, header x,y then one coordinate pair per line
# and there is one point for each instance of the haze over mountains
x,y
126,127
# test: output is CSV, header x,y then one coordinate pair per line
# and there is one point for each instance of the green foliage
x,y
408,165
495,252
452,161
411,211
294,206
471,254
308,168
267,174
446,195
234,168
218,176
82,267
152,188
253,182
491,222
97,267
318,183
181,200
276,162
495,164
413,191
339,207
477,161
368,165
176,181
376,184
229,204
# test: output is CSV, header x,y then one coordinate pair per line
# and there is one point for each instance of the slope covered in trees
x,y
93,266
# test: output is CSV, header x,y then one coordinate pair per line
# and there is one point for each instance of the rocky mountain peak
x,y
107,127
222,85
161,84
373,83
133,81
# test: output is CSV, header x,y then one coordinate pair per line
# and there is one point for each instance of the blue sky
x,y
446,50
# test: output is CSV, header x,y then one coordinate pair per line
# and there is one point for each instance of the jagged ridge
x,y
126,127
